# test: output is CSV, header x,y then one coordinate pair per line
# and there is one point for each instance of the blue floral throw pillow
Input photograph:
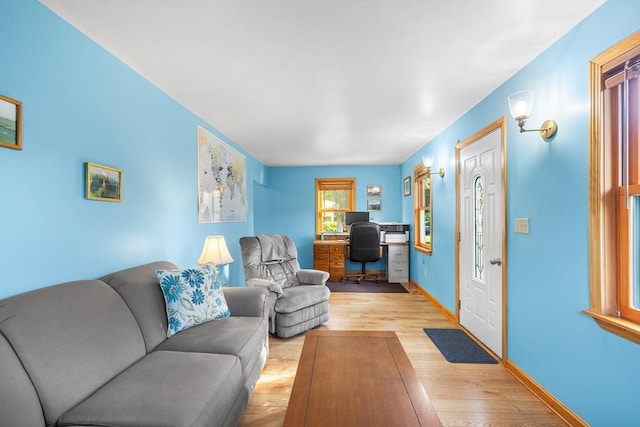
x,y
192,296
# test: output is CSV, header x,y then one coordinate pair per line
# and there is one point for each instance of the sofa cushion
x,y
19,405
165,388
299,297
241,336
71,339
192,296
138,286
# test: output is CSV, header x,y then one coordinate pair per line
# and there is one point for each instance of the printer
x,y
394,232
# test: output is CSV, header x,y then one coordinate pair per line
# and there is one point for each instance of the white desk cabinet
x,y
398,263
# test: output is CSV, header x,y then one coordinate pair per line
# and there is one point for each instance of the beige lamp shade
x,y
215,251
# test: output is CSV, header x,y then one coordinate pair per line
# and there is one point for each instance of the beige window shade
x,y
342,184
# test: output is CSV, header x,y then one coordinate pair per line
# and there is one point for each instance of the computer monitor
x,y
351,217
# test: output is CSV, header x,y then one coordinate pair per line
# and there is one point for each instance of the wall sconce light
x,y
427,161
520,105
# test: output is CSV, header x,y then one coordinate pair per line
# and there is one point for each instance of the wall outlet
x,y
424,272
522,225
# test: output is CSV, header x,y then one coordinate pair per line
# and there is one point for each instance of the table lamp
x,y
215,252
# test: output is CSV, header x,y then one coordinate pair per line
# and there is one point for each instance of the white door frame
x,y
501,125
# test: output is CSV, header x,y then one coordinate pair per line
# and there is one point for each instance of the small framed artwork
x,y
373,204
10,123
374,190
406,186
103,183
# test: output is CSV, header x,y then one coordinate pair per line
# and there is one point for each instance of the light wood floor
x,y
462,394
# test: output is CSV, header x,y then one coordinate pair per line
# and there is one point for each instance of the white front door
x,y
482,227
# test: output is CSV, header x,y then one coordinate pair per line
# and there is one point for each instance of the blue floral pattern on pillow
x,y
192,296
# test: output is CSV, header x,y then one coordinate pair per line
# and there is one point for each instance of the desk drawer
x,y
320,249
334,264
336,250
321,258
337,257
336,273
321,266
398,253
398,272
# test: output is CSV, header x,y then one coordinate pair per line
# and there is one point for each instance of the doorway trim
x,y
500,125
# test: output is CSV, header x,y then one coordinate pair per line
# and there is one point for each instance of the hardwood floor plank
x,y
462,394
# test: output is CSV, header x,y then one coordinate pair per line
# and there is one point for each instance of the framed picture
x,y
374,190
103,183
10,123
406,186
373,204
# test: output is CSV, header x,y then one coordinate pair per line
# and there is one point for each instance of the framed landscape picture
x,y
103,183
373,204
374,190
10,123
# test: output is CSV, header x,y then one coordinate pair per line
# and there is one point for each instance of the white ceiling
x,y
312,82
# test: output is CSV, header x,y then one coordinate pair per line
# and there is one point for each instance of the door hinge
x,y
459,304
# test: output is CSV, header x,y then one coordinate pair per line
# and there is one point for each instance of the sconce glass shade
x,y
215,251
427,162
520,104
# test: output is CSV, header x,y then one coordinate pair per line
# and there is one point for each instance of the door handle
x,y
495,261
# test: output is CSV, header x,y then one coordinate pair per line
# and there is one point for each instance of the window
x,y
334,197
614,221
422,208
478,226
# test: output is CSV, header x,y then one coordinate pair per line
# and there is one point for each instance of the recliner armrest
x,y
309,276
266,284
247,302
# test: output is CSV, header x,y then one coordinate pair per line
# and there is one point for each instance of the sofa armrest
x,y
312,277
248,302
274,292
266,284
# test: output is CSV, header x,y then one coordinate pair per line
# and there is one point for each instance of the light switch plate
x,y
522,225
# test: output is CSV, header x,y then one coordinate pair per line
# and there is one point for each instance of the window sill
x,y
621,327
421,249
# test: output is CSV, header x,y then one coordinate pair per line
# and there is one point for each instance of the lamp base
x,y
548,129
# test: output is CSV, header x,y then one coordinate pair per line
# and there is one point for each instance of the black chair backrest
x,y
364,242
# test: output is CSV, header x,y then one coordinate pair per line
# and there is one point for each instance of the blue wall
x,y
596,374
81,104
288,204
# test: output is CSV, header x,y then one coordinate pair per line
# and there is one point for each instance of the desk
x,y
329,255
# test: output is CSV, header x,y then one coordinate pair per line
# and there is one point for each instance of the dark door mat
x,y
367,287
457,347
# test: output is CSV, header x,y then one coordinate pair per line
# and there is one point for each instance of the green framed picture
x,y
103,183
10,123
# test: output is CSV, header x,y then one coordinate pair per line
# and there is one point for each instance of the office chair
x,y
364,247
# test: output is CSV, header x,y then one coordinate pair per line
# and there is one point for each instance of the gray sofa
x,y
95,352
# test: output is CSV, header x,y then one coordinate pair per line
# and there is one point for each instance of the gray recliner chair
x,y
299,297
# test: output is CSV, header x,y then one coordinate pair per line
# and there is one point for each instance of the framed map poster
x,y
222,181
